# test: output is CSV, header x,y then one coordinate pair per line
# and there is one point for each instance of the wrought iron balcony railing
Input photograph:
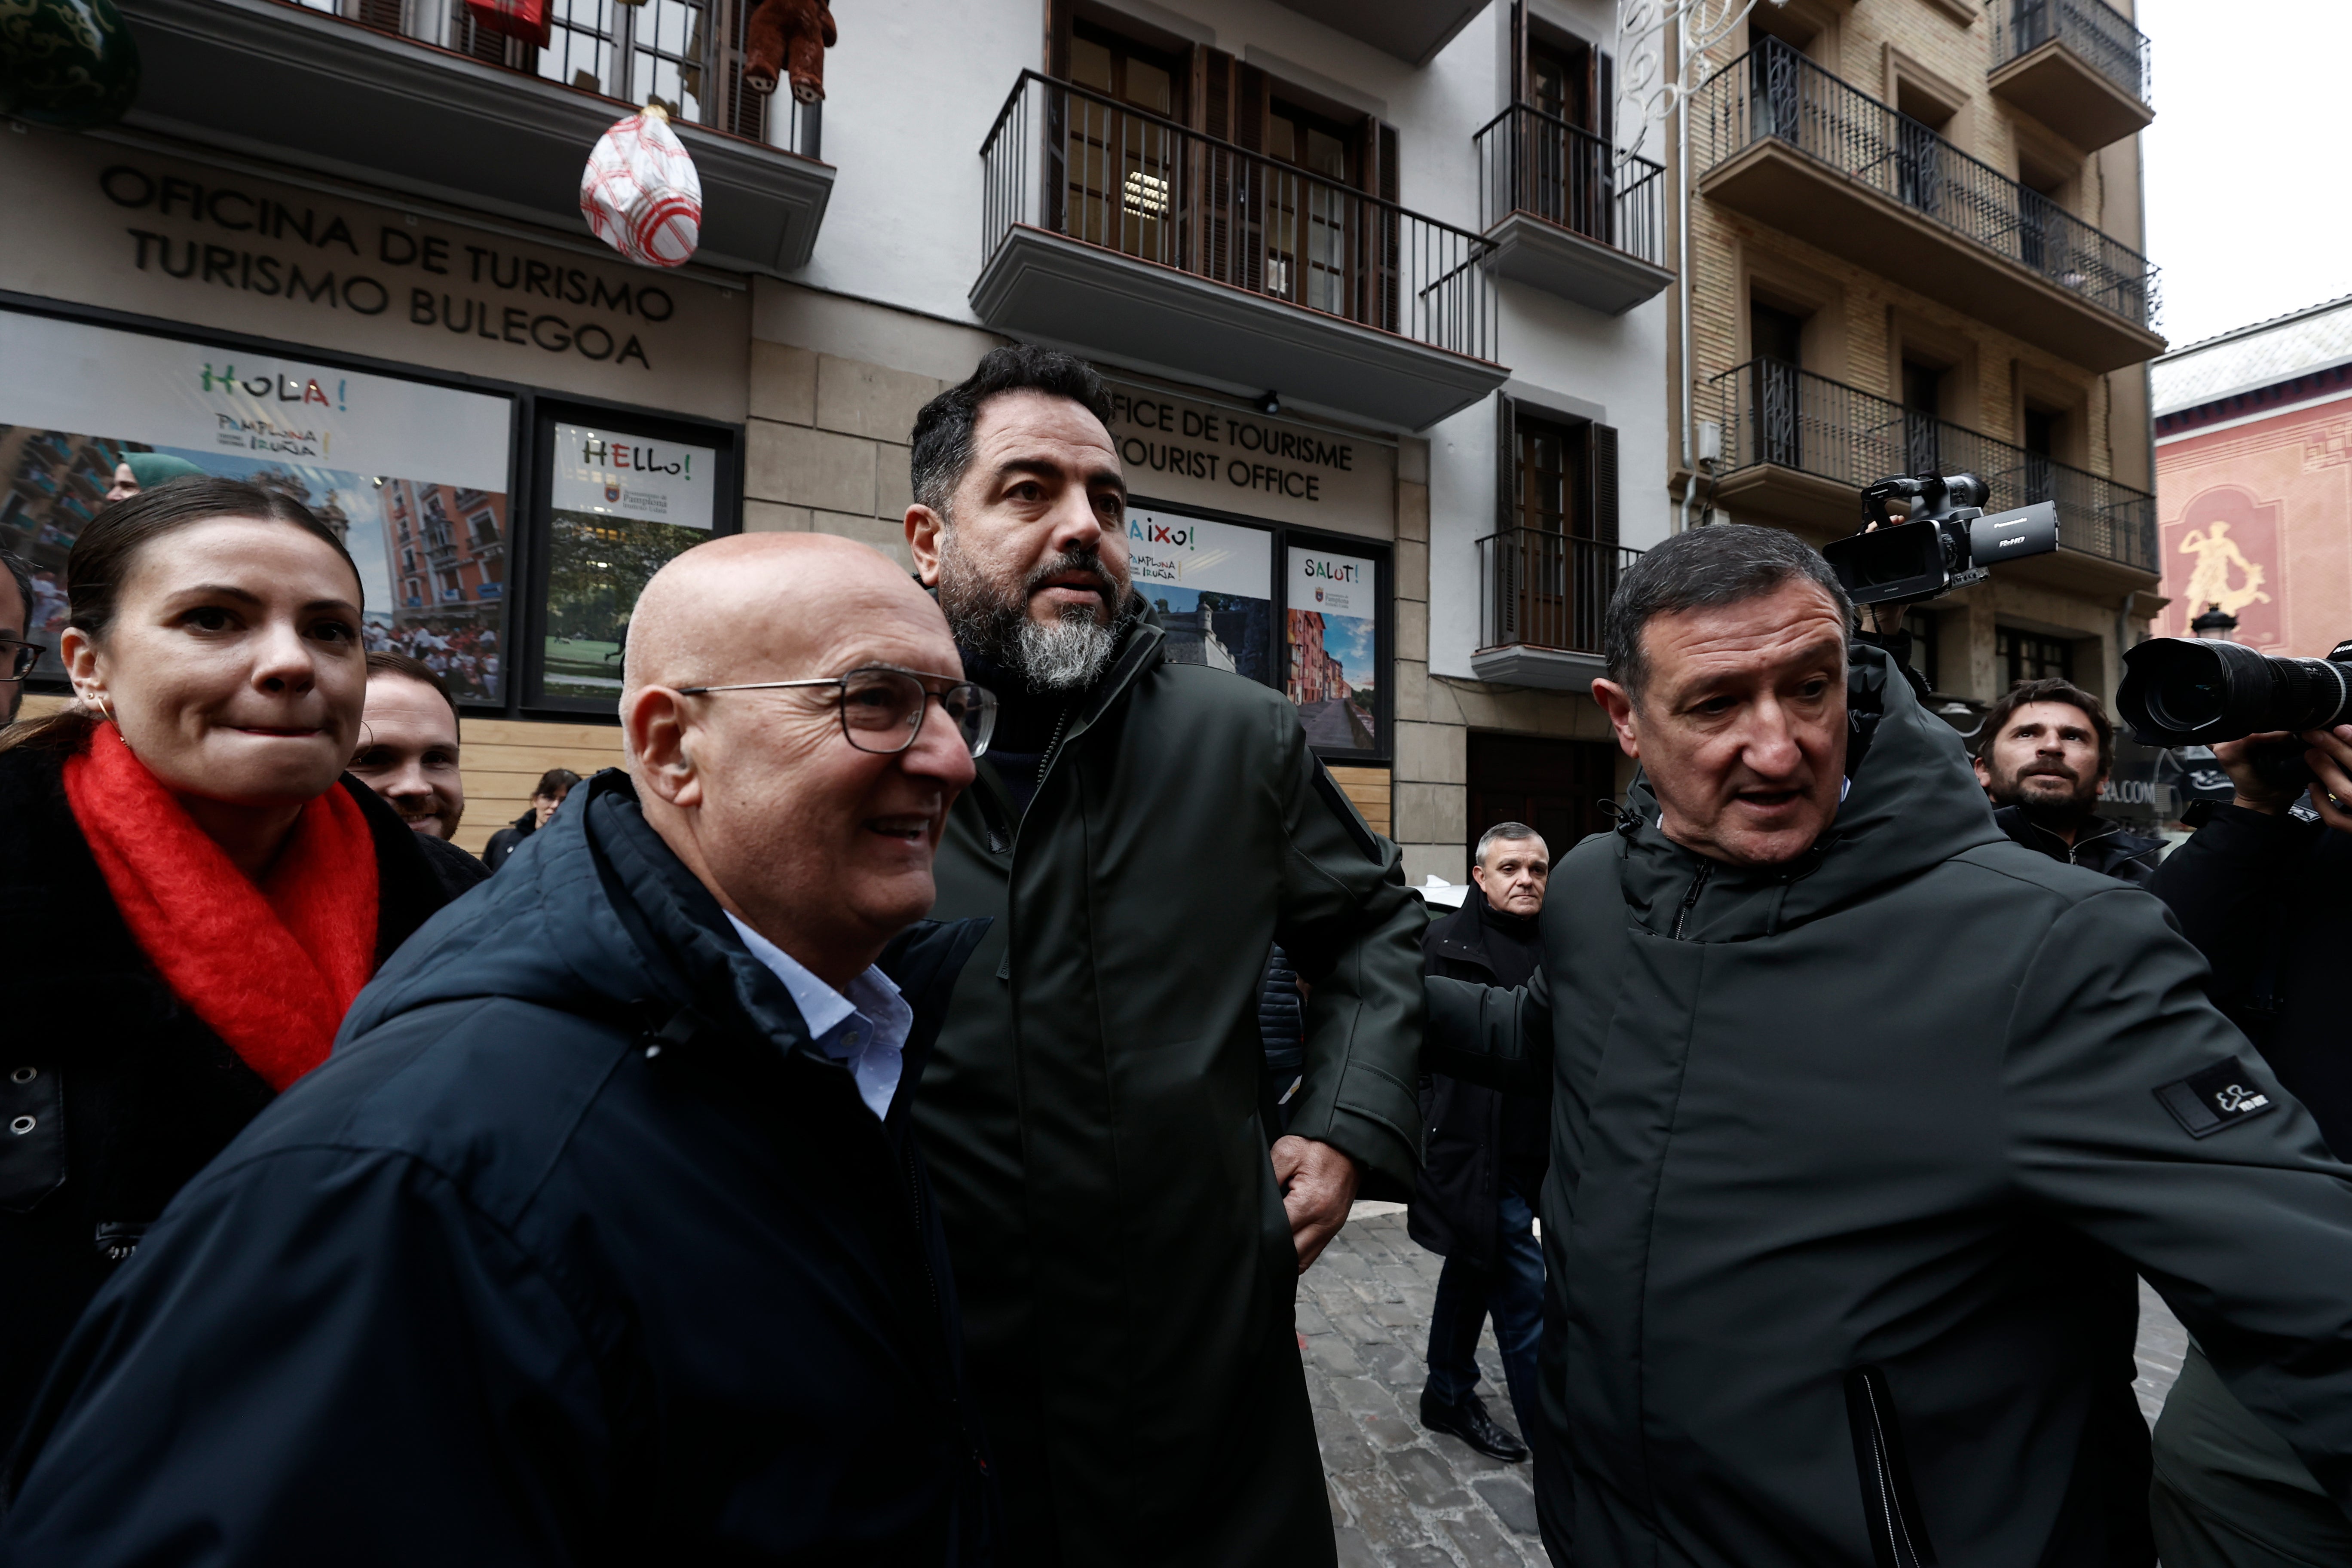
x,y
1774,413
2101,36
1075,163
688,54
1534,162
1773,92
1546,590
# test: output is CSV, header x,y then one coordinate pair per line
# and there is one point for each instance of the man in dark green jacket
x,y
1141,833
1863,1114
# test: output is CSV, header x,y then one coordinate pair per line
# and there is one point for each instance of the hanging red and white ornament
x,y
640,193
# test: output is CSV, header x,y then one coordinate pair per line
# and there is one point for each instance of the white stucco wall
x,y
911,93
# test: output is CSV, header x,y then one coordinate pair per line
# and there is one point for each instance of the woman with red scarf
x,y
198,892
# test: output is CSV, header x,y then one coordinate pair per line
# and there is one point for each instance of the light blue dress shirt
x,y
865,1030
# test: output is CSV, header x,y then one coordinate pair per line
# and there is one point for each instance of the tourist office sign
x,y
1201,453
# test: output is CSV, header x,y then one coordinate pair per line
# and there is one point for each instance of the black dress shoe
x,y
1470,1422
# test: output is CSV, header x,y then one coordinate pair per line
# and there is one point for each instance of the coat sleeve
x,y
1354,931
1491,1036
319,1355
2226,886
2246,1232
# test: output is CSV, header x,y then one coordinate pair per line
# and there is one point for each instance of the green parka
x,y
1090,1113
1849,1159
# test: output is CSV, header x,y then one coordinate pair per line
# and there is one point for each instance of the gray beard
x,y
1064,655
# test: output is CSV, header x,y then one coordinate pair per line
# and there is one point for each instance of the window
x,y
1119,188
2027,656
1306,221
1550,487
1923,629
1775,333
1923,402
1559,80
402,439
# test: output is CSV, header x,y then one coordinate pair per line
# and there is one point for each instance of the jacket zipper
x,y
1690,900
1898,1538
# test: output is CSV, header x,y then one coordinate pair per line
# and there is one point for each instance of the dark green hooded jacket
x,y
1843,1153
1090,1113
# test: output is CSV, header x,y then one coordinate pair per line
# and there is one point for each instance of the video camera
x,y
1945,541
2196,691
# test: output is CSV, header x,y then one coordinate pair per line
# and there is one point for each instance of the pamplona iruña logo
x,y
250,428
1331,579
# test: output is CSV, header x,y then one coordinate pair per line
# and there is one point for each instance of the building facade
x,y
1915,242
2253,463
1381,309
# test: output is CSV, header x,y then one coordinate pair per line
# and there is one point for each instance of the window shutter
x,y
1600,476
1520,85
1215,188
1506,461
1381,235
1604,99
1247,202
1057,39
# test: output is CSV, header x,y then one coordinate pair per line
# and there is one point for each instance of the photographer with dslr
x,y
2044,756
2260,891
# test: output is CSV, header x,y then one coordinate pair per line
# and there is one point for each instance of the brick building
x,y
1913,245
2253,462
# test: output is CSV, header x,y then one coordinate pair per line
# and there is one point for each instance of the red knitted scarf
x,y
271,969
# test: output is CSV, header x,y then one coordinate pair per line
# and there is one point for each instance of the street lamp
x,y
2215,625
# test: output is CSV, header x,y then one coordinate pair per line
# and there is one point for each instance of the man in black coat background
x,y
2264,889
602,1236
1483,1157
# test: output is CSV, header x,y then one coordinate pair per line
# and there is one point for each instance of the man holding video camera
x,y
2261,891
1860,1111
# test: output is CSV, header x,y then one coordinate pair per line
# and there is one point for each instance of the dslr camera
x,y
2194,692
1945,541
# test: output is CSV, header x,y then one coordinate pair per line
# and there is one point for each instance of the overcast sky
x,y
2244,216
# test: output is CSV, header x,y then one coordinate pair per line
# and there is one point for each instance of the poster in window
x,y
623,504
1331,637
1212,585
411,477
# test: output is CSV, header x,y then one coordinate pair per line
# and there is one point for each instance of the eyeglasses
x,y
20,657
882,709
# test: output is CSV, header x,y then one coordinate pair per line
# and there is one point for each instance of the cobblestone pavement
x,y
1403,1497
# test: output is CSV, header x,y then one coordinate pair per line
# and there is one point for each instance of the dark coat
x,y
1092,1112
2268,901
130,1093
2107,847
509,838
1849,1159
453,868
575,1251
1454,1198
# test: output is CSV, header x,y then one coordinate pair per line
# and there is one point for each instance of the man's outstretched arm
x,y
1490,1035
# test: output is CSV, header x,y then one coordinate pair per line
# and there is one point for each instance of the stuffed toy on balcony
x,y
788,36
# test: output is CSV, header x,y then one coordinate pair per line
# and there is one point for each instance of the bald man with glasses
x,y
601,1236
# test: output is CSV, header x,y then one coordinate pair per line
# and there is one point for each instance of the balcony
x,y
1127,237
1568,214
407,95
1542,598
2077,65
1800,448
1778,138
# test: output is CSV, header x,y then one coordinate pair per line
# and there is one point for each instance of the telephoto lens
x,y
2180,691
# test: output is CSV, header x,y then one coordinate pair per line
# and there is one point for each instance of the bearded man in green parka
x,y
1141,832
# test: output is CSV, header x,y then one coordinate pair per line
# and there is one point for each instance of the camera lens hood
x,y
2182,691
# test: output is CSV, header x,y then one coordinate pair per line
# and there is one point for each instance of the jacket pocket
x,y
1898,1535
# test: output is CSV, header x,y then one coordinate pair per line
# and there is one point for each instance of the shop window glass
x,y
379,459
622,506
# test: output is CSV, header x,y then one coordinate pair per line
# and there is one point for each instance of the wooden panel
x,y
503,759
1368,789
